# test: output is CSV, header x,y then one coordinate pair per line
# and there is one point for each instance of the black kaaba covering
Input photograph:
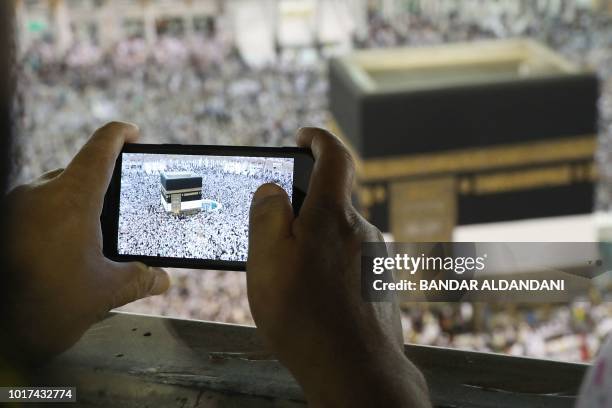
x,y
442,104
180,181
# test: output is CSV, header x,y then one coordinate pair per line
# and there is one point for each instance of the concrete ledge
x,y
132,360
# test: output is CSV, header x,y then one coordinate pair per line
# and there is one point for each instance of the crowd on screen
x,y
220,233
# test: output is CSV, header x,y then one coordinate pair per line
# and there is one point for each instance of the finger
x,y
269,220
93,165
135,280
331,180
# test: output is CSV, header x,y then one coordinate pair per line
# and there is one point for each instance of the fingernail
x,y
267,190
132,124
305,129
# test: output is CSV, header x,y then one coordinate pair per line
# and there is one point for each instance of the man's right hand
x,y
303,279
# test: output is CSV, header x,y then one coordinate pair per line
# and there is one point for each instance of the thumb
x,y
136,281
269,220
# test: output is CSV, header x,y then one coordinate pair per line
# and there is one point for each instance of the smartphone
x,y
187,206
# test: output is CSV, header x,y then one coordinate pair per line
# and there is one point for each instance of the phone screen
x,y
192,206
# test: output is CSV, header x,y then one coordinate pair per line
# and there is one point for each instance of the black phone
x,y
187,206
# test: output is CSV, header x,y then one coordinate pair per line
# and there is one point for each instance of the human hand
x,y
61,282
304,288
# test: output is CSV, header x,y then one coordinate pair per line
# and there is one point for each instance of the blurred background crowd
x,y
219,77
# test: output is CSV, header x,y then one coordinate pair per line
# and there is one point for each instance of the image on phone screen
x,y
192,206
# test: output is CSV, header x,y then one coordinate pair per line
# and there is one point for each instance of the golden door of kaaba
x,y
176,203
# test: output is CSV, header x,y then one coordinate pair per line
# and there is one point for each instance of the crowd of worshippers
x,y
196,91
221,233
171,103
569,332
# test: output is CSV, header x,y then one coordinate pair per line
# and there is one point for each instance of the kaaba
x,y
181,191
466,133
